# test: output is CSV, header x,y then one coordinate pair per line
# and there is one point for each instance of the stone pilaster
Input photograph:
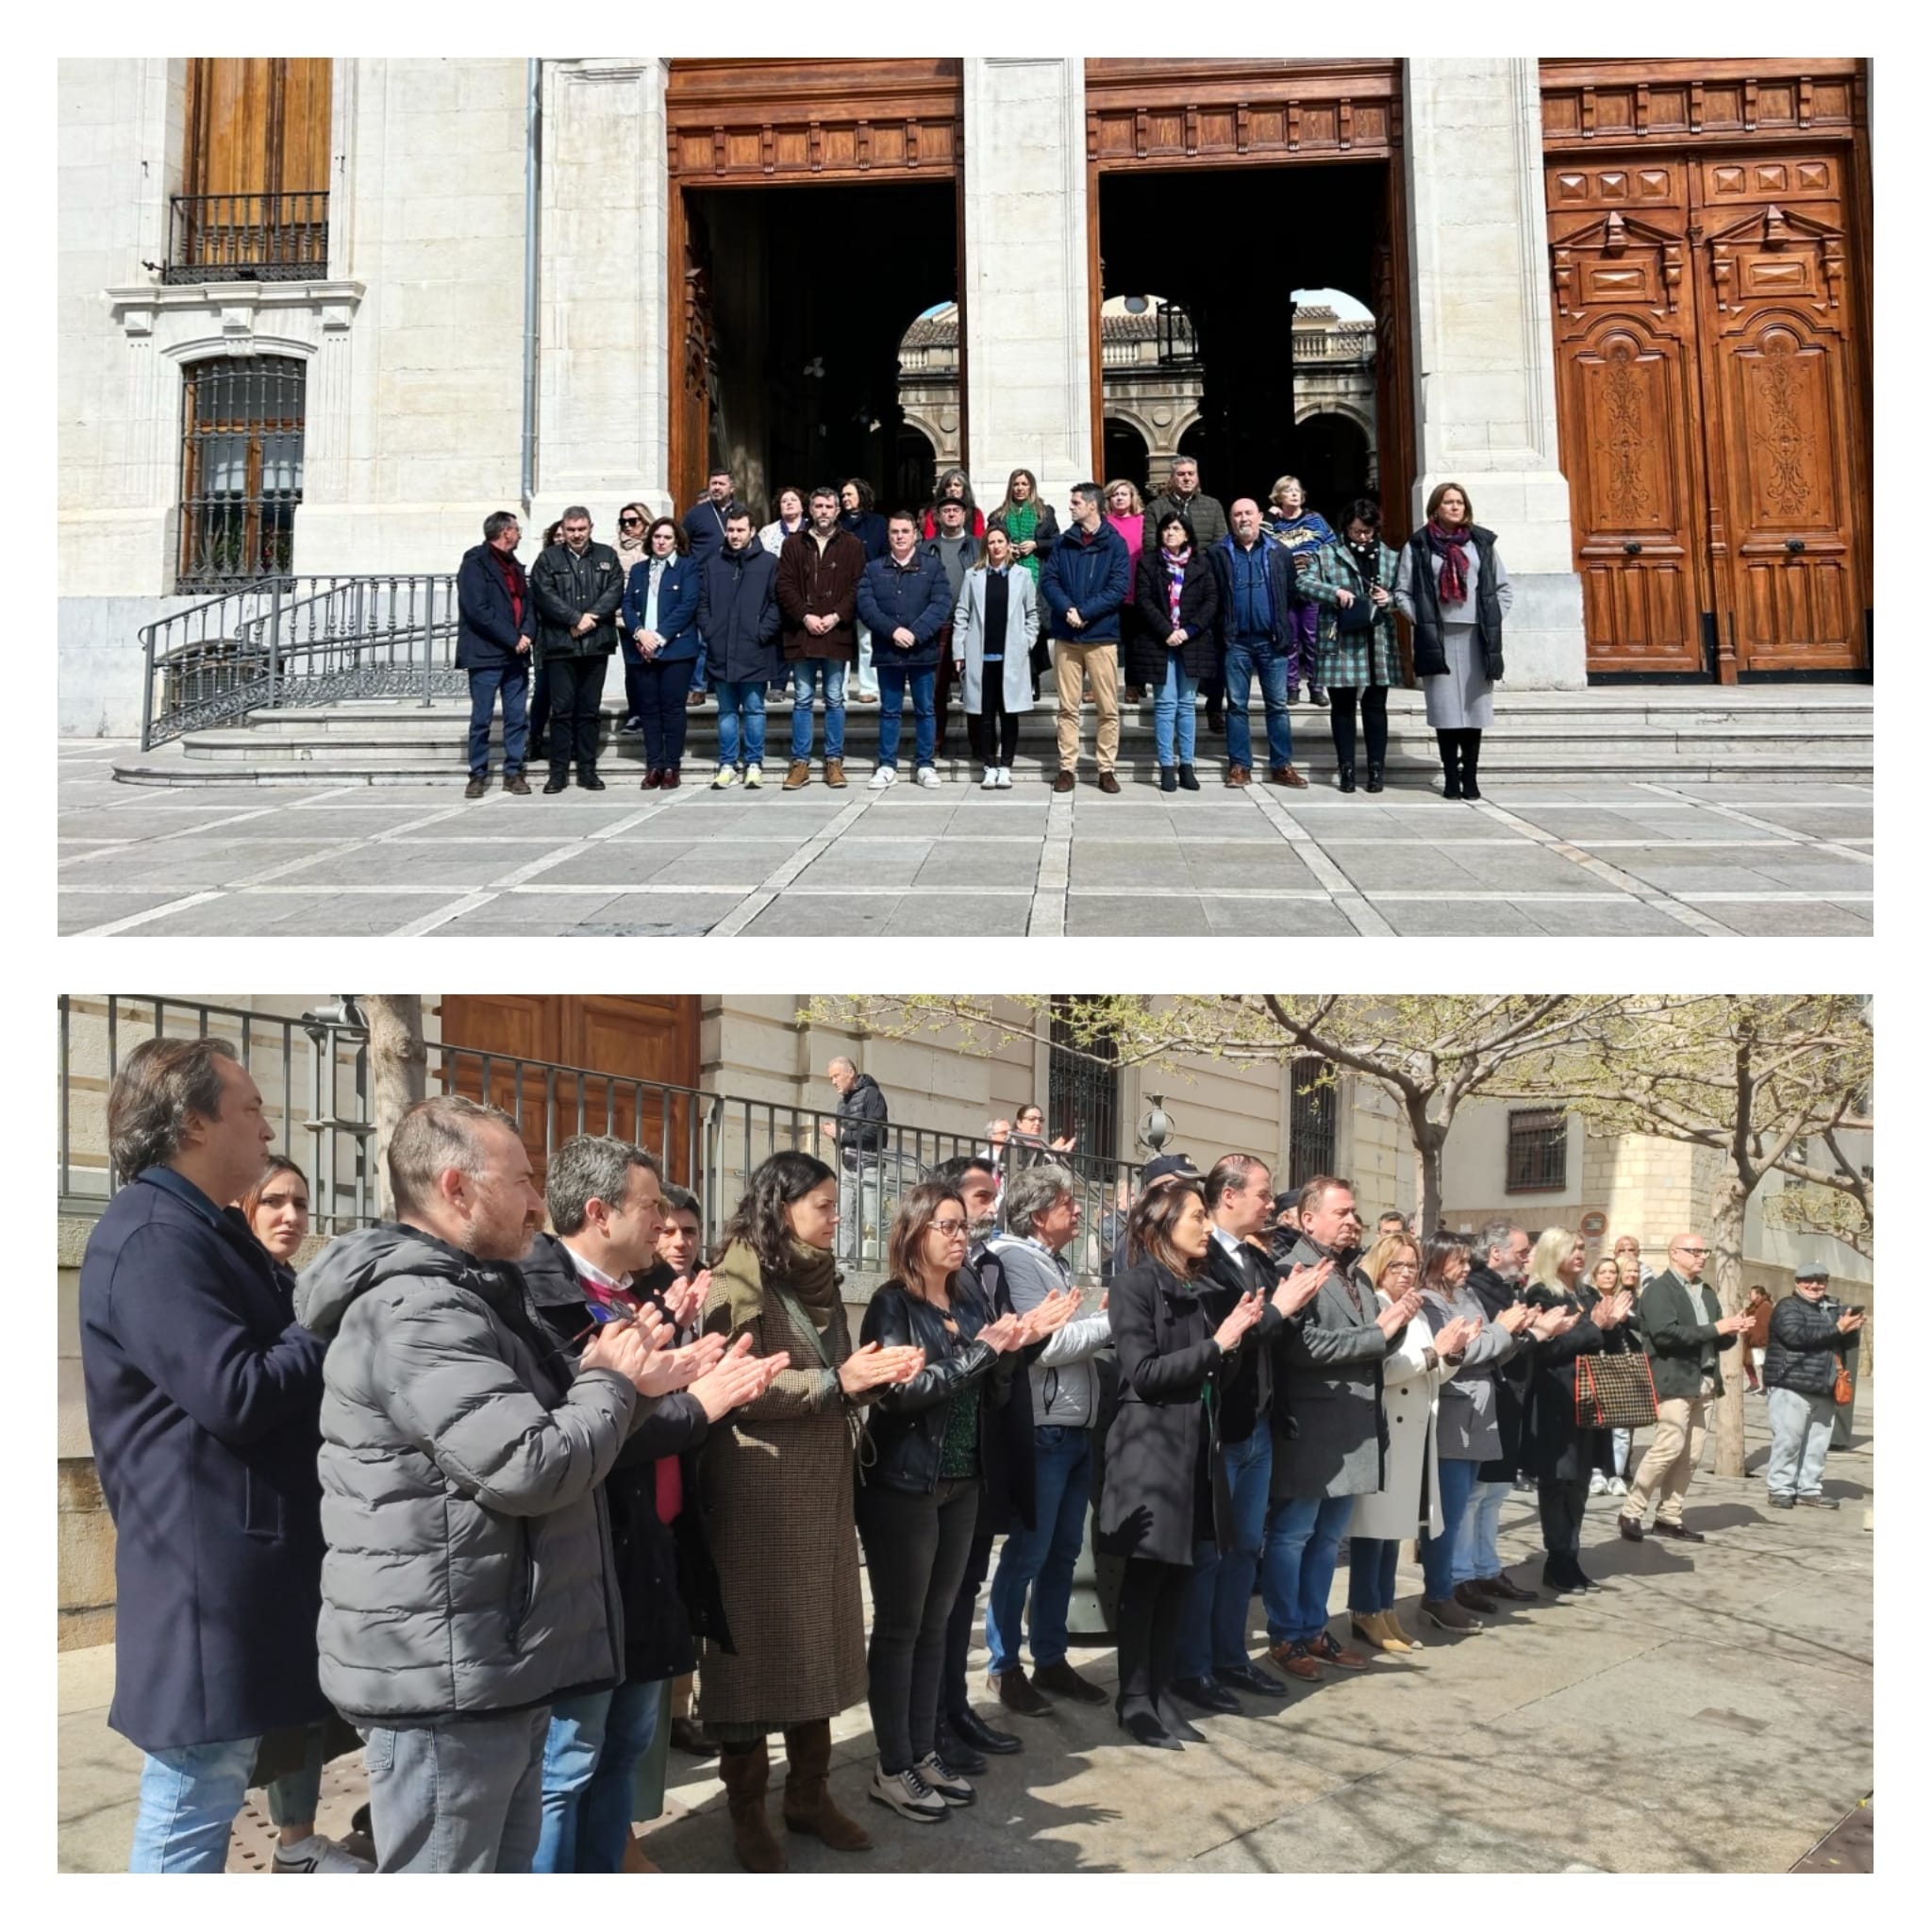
x,y
1485,360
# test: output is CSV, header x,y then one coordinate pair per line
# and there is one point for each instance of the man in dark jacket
x,y
1499,1259
1209,521
859,1134
604,1198
1328,1430
1809,1331
469,1581
1255,578
957,550
738,620
578,588
202,1398
704,522
819,569
1684,1332
904,601
496,619
1084,583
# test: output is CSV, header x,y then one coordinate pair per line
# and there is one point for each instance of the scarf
x,y
1451,548
1023,520
1176,562
513,581
1299,533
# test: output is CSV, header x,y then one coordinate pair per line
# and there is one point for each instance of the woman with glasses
x,y
631,522
661,630
952,486
1031,529
1173,646
1303,533
919,1497
1606,1279
1356,656
1121,505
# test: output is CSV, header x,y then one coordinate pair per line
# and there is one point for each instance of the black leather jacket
x,y
908,1424
1805,1344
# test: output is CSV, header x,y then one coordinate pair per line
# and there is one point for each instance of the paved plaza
x,y
1708,1711
1625,856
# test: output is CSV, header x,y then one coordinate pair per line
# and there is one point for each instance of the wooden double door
x,y
1711,408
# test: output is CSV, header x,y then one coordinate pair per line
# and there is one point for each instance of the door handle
x,y
1633,548
1795,545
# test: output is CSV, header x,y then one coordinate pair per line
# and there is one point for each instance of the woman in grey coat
x,y
1451,587
994,623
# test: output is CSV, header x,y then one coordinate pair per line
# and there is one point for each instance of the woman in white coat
x,y
1410,1378
994,624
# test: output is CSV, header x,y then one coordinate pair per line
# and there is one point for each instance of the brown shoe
x,y
1501,1588
808,1805
1064,782
746,1774
476,787
1371,1627
1294,1658
1063,1680
1325,1650
517,783
1630,1529
1287,775
687,1735
835,773
674,777
1017,1694
1238,774
799,775
1471,1598
1109,782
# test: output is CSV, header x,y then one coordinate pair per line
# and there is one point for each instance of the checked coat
x,y
1351,658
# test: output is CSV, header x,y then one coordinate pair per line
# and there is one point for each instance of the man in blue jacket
x,y
1255,579
203,1403
904,603
704,522
496,620
737,623
1084,583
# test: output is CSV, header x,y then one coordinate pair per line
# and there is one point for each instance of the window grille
x,y
242,421
1311,1119
1538,1159
1083,1086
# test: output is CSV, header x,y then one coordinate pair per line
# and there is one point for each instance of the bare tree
x,y
398,1064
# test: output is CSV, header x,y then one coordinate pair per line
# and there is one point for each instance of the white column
x,y
605,317
1485,360
1029,395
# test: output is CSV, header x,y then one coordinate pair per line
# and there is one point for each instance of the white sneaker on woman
x,y
1005,777
938,1776
908,1793
926,775
1599,1484
1618,1487
989,780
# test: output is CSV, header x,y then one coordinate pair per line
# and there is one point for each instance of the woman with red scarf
x,y
1451,587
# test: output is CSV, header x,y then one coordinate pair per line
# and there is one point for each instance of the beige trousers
x,y
1071,664
1670,1460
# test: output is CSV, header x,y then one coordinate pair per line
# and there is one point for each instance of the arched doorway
x,y
1123,453
1333,460
913,465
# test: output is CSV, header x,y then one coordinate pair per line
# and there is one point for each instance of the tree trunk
x,y
1727,1250
1426,1137
398,1064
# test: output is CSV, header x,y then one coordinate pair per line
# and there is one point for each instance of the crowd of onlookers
x,y
1167,600
484,1486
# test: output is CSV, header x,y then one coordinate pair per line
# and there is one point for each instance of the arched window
x,y
241,420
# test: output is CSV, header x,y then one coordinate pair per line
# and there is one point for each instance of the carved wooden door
x,y
1789,449
692,356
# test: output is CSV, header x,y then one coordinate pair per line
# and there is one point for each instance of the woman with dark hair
x,y
921,1495
1356,654
538,752
1303,533
1029,1145
662,651
1173,647
857,514
1157,1498
1031,529
994,624
276,1211
1451,587
777,1480
953,483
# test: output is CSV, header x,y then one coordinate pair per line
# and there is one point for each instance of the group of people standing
x,y
1186,600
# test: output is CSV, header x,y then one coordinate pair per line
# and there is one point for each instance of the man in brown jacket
x,y
819,569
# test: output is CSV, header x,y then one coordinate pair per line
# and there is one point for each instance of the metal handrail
x,y
257,238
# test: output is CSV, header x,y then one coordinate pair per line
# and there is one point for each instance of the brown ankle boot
x,y
808,1805
745,1774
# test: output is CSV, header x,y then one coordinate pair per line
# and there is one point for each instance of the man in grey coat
x,y
468,1577
1328,1430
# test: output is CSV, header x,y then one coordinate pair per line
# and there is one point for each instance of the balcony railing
x,y
314,1077
247,238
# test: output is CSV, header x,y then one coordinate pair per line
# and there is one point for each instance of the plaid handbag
x,y
1615,1391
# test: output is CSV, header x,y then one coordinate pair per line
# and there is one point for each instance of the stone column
x,y
1028,396
1485,360
604,398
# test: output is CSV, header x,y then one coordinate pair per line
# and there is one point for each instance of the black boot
x,y
1346,779
1375,783
1472,750
1447,745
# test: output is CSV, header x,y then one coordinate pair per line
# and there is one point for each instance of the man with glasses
x,y
578,586
1684,1332
496,620
1083,584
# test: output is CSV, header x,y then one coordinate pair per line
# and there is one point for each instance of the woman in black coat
x,y
921,1495
1156,1495
1173,647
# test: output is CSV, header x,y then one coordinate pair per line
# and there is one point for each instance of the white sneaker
x,y
1598,1484
318,1853
1618,1487
938,1776
991,780
754,776
1005,772
883,777
926,775
726,779
908,1793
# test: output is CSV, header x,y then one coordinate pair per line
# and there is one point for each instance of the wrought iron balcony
x,y
247,238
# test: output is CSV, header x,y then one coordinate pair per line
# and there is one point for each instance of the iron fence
x,y
247,238
299,640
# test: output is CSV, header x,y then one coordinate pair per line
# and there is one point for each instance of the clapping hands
x,y
1455,1334
1241,1318
873,1367
738,1378
1400,1313
1049,1315
1300,1285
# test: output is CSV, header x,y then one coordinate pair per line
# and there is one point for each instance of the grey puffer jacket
x,y
469,1566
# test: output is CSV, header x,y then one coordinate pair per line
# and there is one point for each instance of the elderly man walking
x,y
1684,1332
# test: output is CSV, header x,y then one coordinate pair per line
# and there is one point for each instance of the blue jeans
x,y
1371,1574
741,702
513,681
1251,657
1456,1480
1042,1557
1801,1428
1475,1548
189,1799
1298,1556
807,674
1174,717
894,680
589,1758
1214,1619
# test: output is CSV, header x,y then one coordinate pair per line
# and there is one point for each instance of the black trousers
x,y
1560,1502
1374,702
1149,1622
953,1698
995,733
915,1553
577,689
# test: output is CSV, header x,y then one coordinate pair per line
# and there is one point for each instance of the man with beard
x,y
1498,1262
